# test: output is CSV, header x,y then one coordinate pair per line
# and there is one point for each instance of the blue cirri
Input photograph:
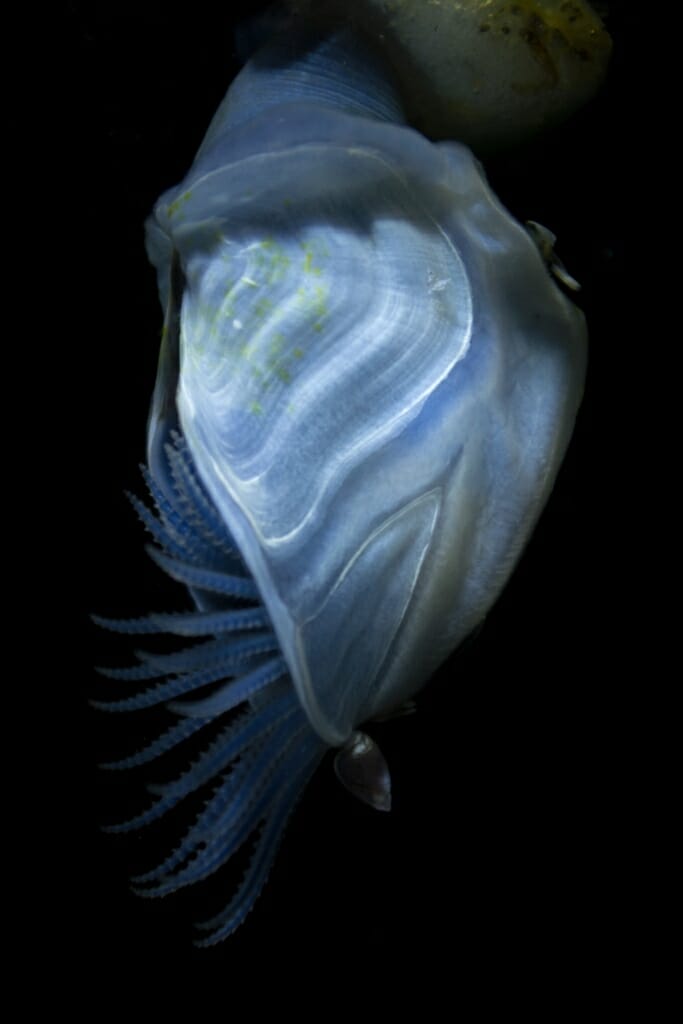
x,y
368,380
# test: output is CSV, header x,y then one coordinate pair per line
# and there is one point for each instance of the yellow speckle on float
x,y
488,73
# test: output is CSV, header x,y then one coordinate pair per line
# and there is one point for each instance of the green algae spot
x,y
262,308
277,344
178,203
314,302
271,261
312,253
319,307
268,360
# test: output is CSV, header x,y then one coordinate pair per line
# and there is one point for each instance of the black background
x,y
503,860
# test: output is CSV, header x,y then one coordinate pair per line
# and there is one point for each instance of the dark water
x,y
503,852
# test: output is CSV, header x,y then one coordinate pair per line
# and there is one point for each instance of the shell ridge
x,y
392,557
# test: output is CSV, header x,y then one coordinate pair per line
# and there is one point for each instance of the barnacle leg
x,y
261,759
545,240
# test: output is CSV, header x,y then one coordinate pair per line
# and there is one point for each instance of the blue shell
x,y
367,382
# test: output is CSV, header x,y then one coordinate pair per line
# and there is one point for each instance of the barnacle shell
x,y
377,378
368,377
